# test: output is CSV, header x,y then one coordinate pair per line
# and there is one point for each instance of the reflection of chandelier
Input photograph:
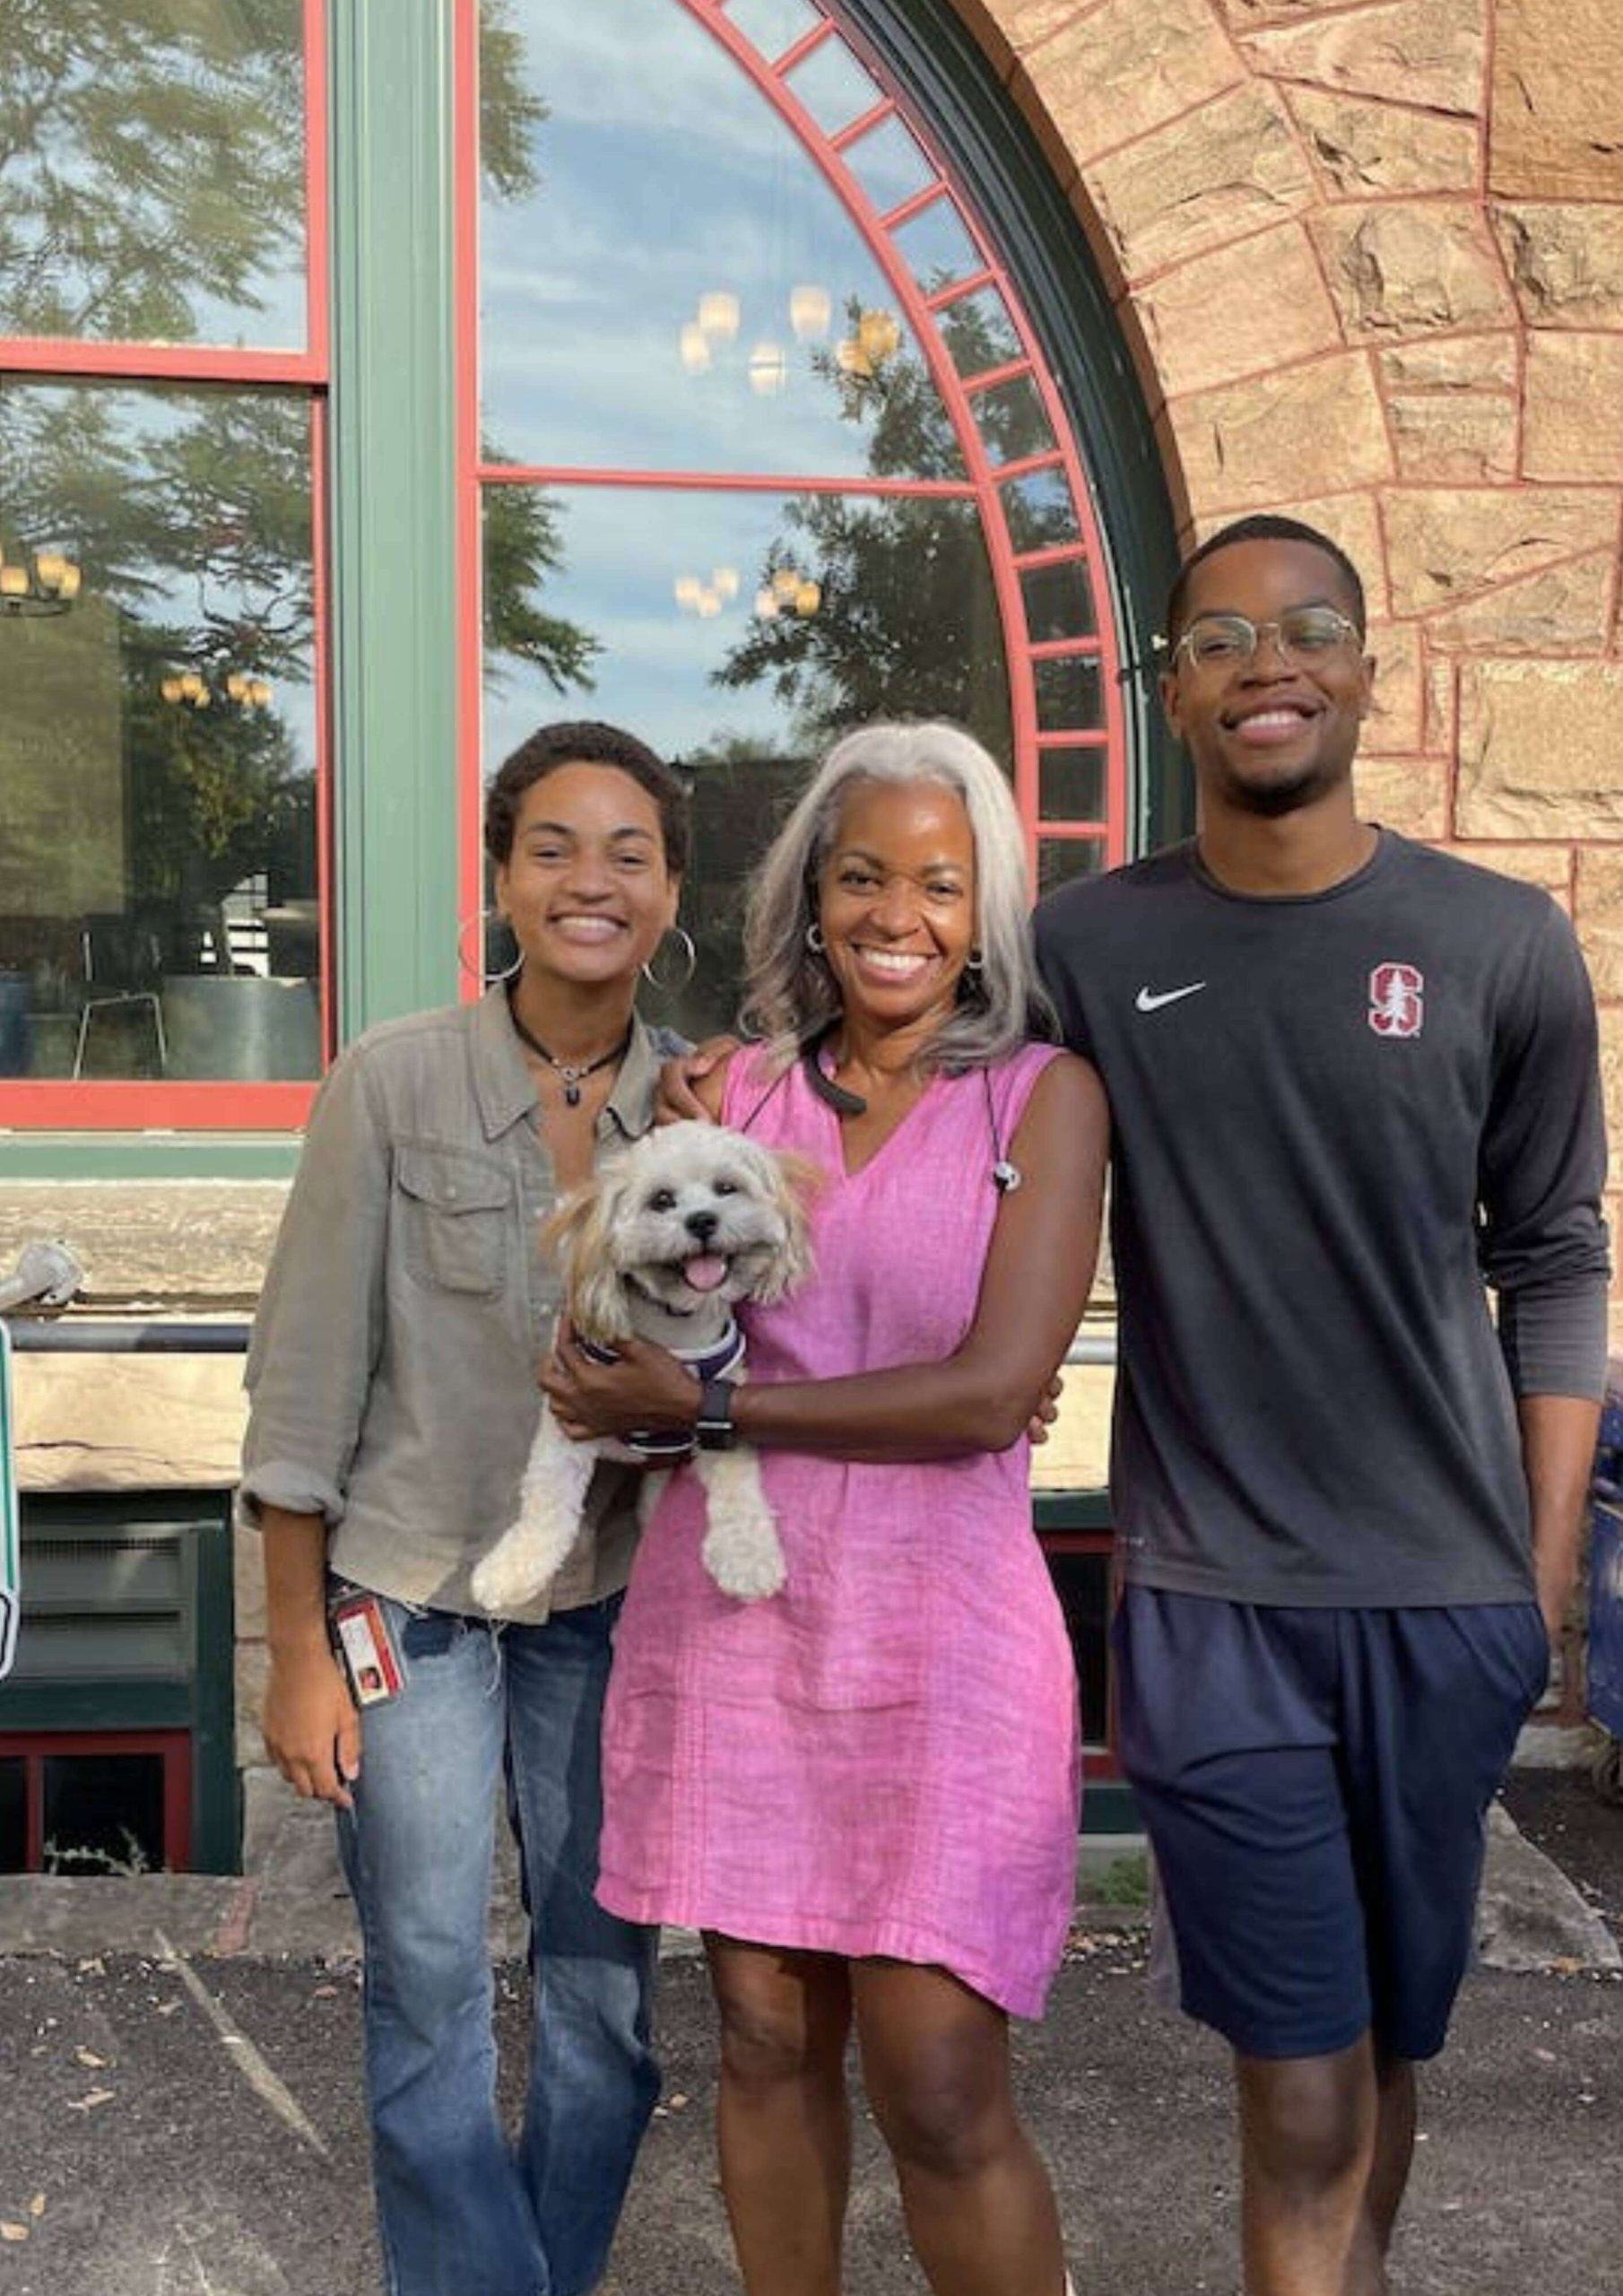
x,y
48,583
706,599
787,591
187,686
718,316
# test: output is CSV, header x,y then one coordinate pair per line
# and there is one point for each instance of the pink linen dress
x,y
881,1759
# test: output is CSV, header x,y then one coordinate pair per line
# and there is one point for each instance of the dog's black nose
x,y
702,1224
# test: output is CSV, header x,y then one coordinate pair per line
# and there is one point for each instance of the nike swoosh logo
x,y
1148,1000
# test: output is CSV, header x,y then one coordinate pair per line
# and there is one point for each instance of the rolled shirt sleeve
x,y
320,1322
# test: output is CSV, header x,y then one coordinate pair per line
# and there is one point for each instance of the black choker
x,y
574,1072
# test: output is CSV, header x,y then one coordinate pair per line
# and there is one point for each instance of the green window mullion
x,y
393,508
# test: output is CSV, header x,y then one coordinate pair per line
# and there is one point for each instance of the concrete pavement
x,y
179,2061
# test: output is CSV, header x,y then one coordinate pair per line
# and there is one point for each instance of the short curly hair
x,y
1263,526
586,741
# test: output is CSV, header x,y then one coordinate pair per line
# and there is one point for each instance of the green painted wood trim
x,y
1070,1510
146,1156
1109,1808
216,1786
106,1705
392,479
996,157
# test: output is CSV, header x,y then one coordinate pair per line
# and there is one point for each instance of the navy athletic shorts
x,y
1314,1784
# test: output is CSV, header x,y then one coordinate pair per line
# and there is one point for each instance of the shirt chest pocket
x,y
455,1214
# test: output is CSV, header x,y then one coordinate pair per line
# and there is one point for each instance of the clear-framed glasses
x,y
1228,640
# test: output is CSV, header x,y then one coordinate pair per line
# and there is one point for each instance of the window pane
x,y
888,165
833,86
1040,510
1072,785
158,913
980,332
936,245
152,187
737,632
1059,859
668,279
103,1814
1012,420
1069,695
1059,601
774,26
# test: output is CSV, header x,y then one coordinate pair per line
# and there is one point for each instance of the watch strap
x,y
714,1431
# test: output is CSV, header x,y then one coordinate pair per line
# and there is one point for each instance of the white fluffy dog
x,y
660,1244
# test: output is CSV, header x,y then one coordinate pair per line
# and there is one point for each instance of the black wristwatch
x,y
713,1429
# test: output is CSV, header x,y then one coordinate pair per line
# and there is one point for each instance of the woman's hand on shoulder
x,y
691,1085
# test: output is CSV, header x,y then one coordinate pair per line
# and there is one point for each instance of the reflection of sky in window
x,y
214,88
833,86
773,26
665,176
625,549
888,165
936,247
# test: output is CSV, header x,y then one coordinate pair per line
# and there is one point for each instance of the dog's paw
x,y
749,1569
501,1581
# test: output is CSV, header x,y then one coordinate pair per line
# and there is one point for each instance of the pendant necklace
x,y
573,1073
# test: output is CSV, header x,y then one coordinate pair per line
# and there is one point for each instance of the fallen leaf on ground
x,y
9,2231
88,2104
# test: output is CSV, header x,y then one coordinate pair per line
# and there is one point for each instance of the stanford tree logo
x,y
1397,1005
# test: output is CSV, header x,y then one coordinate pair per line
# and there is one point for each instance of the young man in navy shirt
x,y
1351,1078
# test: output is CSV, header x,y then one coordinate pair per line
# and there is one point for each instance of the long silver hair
x,y
792,993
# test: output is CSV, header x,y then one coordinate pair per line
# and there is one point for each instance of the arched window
x,y
758,440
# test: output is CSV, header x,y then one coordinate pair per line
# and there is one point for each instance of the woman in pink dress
x,y
865,1790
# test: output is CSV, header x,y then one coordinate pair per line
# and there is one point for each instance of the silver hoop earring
x,y
975,961
485,979
814,938
690,959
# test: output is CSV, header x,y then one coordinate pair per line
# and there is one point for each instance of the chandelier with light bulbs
x,y
39,582
719,316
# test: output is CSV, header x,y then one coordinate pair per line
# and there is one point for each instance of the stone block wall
x,y
1370,256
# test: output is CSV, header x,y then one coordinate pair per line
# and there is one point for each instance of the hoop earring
x,y
814,938
975,961
485,979
689,957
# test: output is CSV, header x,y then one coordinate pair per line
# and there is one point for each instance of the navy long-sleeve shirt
x,y
1334,1117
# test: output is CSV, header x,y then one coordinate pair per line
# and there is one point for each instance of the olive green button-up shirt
x,y
408,1306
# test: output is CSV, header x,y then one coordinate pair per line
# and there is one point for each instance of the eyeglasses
x,y
1307,634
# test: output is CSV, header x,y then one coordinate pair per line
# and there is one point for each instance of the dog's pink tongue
x,y
706,1272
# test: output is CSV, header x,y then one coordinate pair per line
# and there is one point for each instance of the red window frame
x,y
983,483
111,1104
173,1748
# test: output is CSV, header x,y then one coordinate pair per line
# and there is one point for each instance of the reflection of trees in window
x,y
907,623
150,157
187,511
743,790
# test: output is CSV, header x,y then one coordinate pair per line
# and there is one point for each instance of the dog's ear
x,y
791,1181
579,1230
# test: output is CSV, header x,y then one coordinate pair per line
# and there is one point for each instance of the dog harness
x,y
669,1446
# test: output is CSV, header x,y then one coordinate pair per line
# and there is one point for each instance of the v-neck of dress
x,y
883,1149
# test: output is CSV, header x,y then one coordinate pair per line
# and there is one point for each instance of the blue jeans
x,y
461,2211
